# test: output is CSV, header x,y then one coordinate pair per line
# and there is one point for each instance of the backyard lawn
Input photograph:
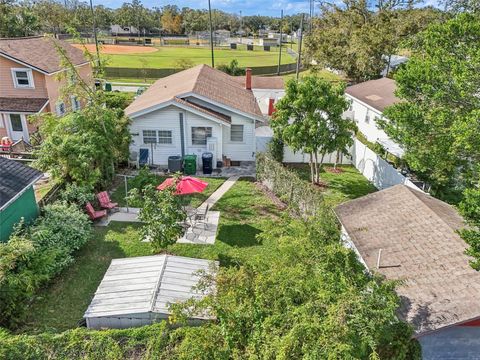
x,y
245,212
325,74
169,57
346,185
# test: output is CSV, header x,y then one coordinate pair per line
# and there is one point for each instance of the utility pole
x,y
280,52
299,55
94,24
211,32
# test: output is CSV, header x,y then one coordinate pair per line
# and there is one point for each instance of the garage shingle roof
x,y
14,179
420,246
40,52
203,81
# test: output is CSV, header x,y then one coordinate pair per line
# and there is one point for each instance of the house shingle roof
x,y
201,80
263,82
26,105
14,178
420,246
205,110
378,93
39,52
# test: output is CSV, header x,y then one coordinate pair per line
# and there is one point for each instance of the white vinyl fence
x,y
375,169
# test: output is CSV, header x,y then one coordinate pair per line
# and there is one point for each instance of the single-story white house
x,y
194,111
368,101
407,235
138,291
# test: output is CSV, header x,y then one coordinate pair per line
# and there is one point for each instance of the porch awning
x,y
22,105
392,147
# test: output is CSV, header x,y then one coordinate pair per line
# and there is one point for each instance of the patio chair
x,y
202,218
93,214
105,202
133,160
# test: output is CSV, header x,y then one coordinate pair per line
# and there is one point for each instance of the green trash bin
x,y
190,164
108,87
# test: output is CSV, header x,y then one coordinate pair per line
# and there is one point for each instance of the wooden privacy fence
x,y
149,73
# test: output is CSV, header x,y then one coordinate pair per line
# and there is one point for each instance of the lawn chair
x,y
133,160
202,218
93,214
105,202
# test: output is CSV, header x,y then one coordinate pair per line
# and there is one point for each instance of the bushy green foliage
x,y
307,298
470,209
118,100
76,194
276,148
84,146
232,68
161,214
35,254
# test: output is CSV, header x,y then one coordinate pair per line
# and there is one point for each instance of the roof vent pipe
x,y
248,79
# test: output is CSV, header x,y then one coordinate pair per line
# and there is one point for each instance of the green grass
x,y
325,74
131,80
347,185
245,212
195,200
168,57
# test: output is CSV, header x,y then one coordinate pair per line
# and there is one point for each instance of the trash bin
x,y
207,159
108,86
190,164
175,163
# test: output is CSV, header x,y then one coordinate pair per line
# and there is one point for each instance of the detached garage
x,y
138,291
17,197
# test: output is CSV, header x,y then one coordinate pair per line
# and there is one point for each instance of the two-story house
x,y
368,101
28,82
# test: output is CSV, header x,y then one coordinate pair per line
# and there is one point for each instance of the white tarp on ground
x,y
392,147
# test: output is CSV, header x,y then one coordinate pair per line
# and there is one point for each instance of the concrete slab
x,y
201,233
123,215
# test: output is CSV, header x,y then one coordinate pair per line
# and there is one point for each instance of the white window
x,y
236,133
149,136
22,78
75,103
200,135
60,108
164,137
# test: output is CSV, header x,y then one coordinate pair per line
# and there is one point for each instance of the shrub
x,y
118,100
77,194
232,68
275,149
35,254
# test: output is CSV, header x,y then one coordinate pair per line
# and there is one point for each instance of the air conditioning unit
x,y
212,147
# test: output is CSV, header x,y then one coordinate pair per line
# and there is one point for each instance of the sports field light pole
x,y
299,55
280,52
95,33
211,32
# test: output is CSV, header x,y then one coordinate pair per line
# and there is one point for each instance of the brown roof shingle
x,y
201,80
40,52
263,82
378,93
26,105
420,246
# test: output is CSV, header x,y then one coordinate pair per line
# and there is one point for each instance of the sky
x,y
248,7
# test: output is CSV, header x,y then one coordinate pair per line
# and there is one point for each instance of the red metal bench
x,y
94,214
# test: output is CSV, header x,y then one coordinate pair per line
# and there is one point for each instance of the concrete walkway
x,y
122,215
212,200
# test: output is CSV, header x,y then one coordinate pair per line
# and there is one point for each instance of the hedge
x,y
288,186
35,254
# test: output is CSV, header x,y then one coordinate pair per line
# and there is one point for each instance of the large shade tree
x,y
437,122
309,119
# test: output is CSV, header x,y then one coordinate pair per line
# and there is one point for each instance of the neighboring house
x,y
138,291
17,197
369,100
28,69
407,235
194,111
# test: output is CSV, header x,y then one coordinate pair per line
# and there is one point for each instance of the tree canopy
x,y
437,122
309,119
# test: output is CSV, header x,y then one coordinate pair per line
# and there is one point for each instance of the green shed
x,y
17,197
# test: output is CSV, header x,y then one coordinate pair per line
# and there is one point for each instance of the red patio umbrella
x,y
186,185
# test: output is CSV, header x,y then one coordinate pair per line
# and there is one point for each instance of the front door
x,y
17,127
